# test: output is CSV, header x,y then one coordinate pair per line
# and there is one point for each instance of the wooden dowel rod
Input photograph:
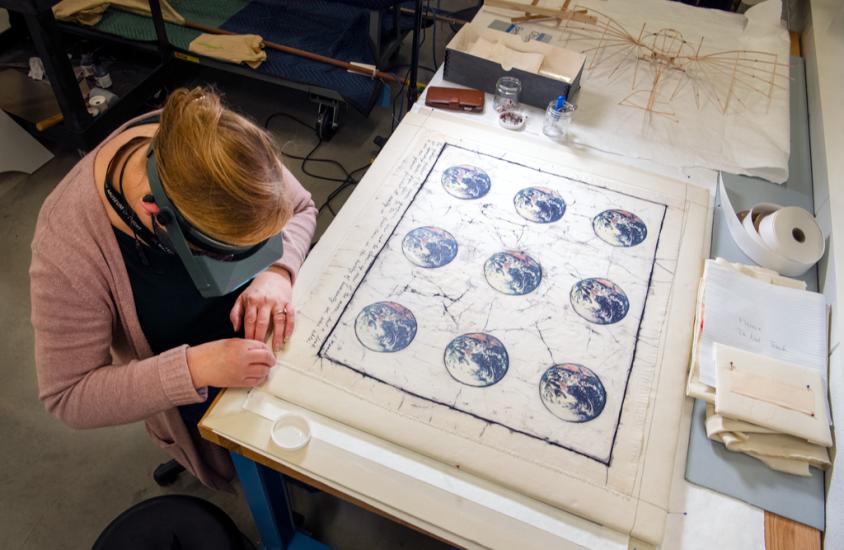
x,y
300,53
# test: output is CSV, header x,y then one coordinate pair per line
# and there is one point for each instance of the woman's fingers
x,y
236,313
290,320
249,319
256,371
252,382
262,322
279,321
260,356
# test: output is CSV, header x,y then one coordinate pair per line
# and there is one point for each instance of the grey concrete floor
x,y
59,487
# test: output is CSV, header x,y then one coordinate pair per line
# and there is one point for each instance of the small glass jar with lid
x,y
507,91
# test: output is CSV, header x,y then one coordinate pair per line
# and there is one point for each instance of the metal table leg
x,y
50,48
412,92
269,501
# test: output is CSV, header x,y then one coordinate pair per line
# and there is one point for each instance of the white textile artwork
x,y
520,313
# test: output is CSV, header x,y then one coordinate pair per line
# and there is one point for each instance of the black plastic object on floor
x,y
173,522
167,473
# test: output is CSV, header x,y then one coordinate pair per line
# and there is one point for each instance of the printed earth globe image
x,y
539,204
385,327
465,181
429,246
599,301
476,359
619,228
512,272
572,393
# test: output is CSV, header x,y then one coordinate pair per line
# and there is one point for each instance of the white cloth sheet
x,y
365,366
752,138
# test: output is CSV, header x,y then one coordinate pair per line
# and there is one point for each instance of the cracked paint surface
x,y
539,330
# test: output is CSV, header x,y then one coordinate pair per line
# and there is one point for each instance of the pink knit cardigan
x,y
95,367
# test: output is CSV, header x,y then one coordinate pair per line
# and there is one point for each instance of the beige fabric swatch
x,y
751,388
782,394
235,48
780,452
90,12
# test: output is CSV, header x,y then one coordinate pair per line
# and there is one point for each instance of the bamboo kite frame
x,y
720,76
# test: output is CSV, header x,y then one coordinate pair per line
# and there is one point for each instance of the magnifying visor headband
x,y
217,268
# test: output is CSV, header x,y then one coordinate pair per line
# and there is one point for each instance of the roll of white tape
x,y
785,239
795,233
97,101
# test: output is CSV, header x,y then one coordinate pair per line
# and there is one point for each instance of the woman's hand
x,y
265,306
231,363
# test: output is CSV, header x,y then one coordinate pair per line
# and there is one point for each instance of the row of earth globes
x,y
571,392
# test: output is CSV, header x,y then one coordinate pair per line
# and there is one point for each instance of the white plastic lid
x,y
291,432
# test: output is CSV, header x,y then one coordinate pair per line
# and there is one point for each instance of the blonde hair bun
x,y
222,172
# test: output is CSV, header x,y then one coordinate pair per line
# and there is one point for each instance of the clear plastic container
x,y
512,120
507,91
557,121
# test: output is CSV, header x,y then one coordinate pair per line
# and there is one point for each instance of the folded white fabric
x,y
780,452
772,410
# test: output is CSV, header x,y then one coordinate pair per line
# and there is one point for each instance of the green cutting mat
x,y
137,27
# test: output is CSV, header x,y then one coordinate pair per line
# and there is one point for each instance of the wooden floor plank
x,y
785,534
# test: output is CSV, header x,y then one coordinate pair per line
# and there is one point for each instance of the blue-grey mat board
x,y
738,475
710,464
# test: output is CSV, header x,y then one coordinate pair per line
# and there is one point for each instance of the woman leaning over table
x,y
122,331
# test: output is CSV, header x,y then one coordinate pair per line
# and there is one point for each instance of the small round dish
x,y
291,432
512,120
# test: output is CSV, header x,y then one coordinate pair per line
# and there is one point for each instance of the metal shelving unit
x,y
83,131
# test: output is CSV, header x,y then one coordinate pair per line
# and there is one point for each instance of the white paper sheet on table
x,y
753,140
783,323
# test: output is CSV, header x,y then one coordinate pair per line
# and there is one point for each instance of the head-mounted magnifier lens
x,y
216,268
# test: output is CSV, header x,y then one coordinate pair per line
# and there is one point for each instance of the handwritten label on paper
x,y
749,329
354,257
779,322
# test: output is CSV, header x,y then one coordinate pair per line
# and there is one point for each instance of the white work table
x,y
450,504
453,505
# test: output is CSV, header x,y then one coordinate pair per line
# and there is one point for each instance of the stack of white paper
x,y
760,360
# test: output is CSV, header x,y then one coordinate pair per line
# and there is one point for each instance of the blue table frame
x,y
268,498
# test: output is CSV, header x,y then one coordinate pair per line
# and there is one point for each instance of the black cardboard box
x,y
538,88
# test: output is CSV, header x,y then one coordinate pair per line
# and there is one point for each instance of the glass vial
x,y
507,91
558,119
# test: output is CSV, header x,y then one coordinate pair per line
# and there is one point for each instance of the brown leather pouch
x,y
456,99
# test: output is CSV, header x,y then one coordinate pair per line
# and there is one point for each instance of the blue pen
x,y
561,100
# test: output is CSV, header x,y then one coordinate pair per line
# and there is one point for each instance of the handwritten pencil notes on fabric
x,y
759,360
788,324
